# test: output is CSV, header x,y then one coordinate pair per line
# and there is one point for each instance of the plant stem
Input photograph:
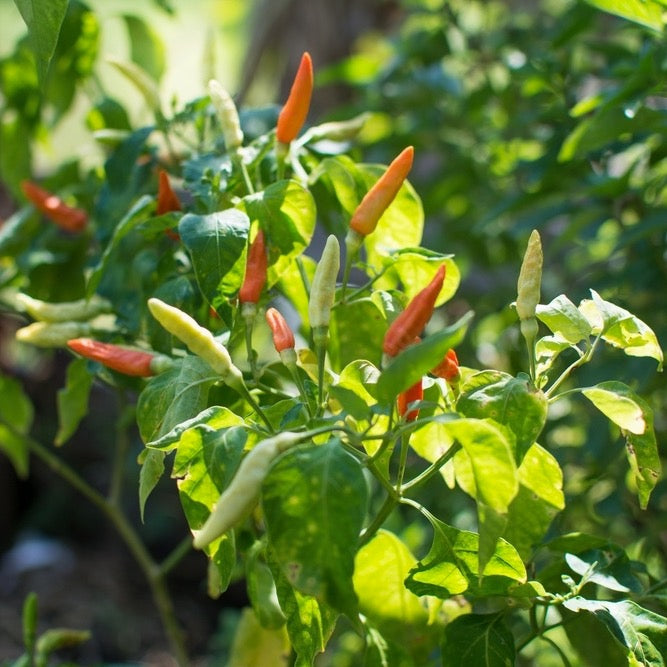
x,y
433,469
257,408
585,357
152,573
125,414
405,440
176,555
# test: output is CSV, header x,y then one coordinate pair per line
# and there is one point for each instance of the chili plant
x,y
308,465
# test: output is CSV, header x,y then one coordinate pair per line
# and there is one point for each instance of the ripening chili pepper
x,y
530,278
136,363
239,498
323,287
283,337
199,340
255,271
52,334
166,198
382,193
413,319
64,311
66,217
294,112
448,368
228,116
405,398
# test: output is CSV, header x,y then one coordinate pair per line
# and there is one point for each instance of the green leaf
x,y
645,12
286,213
417,360
262,590
73,399
401,225
641,633
15,164
57,639
483,640
217,245
16,411
314,501
380,569
510,401
356,332
135,216
451,566
44,20
292,286
173,396
621,328
309,623
635,418
141,80
351,390
147,49
431,441
486,470
254,645
564,319
609,567
539,499
152,469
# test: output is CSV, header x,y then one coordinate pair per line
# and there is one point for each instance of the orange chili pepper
x,y
283,338
413,319
448,368
166,198
410,395
377,199
255,271
66,217
129,362
293,114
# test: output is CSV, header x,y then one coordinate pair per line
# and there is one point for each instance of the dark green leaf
x,y
480,640
417,360
73,399
508,400
217,245
314,501
609,567
43,20
152,469
16,411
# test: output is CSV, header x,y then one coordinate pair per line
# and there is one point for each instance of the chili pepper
x,y
448,368
283,338
255,271
66,311
323,287
52,334
413,319
199,340
410,395
294,112
66,217
129,362
239,498
228,116
382,193
166,198
530,278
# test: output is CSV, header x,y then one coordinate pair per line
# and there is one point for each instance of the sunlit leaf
x,y
564,319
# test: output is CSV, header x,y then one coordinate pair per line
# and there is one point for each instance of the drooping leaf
x,y
262,590
417,360
286,213
539,499
73,400
43,20
254,645
508,400
16,411
152,469
609,567
217,246
451,566
483,640
641,633
635,418
314,501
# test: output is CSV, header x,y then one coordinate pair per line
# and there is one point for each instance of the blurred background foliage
x,y
548,114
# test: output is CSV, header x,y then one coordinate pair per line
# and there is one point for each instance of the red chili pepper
x,y
283,338
410,395
377,199
166,198
448,368
255,271
293,114
66,217
413,319
123,360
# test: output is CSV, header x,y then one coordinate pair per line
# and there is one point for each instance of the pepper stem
x,y
320,340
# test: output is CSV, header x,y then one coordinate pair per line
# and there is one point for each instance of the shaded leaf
x,y
16,411
480,640
73,399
